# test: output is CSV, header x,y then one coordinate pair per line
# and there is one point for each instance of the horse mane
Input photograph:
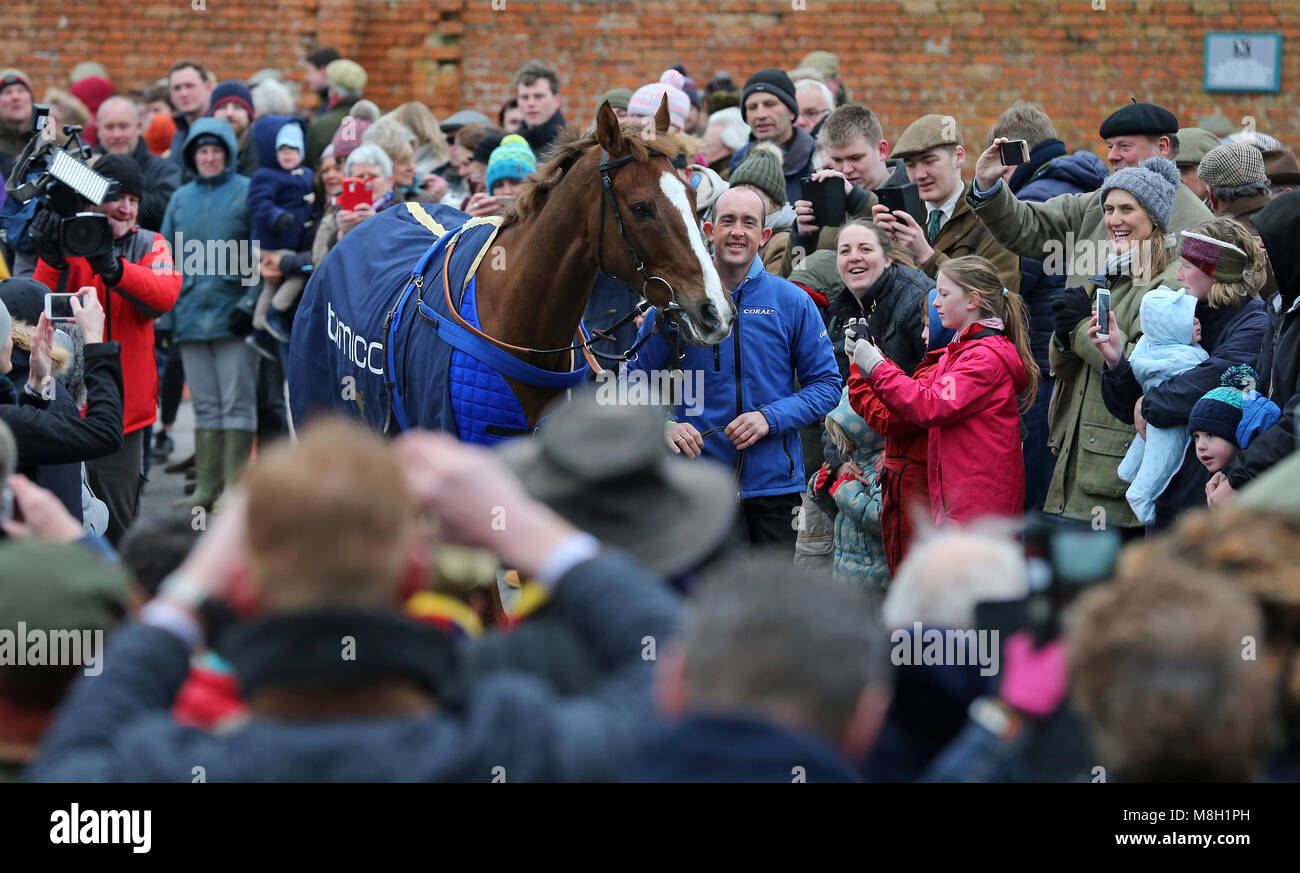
x,y
570,147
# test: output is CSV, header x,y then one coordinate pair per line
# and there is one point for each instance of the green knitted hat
x,y
763,168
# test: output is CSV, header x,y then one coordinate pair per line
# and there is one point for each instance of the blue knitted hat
x,y
513,159
1219,410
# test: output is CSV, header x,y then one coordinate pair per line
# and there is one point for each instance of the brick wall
x,y
968,58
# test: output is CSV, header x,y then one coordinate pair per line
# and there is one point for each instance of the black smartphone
x,y
903,198
1014,152
859,331
827,198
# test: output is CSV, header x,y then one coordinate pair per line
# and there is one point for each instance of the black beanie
x,y
122,169
770,81
486,146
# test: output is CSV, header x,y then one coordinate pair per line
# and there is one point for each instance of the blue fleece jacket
x,y
786,370
274,192
206,224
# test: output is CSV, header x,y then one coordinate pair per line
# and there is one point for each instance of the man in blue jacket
x,y
746,397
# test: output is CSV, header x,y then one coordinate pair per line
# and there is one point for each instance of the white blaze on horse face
x,y
675,190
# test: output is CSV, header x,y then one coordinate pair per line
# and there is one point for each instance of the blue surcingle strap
x,y
472,344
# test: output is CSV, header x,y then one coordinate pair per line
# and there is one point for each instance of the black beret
x,y
1139,118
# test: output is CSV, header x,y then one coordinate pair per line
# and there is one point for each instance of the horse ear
x,y
662,117
608,132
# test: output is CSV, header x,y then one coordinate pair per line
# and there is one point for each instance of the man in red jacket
x,y
144,284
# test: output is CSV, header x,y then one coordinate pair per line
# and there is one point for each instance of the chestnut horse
x,y
613,201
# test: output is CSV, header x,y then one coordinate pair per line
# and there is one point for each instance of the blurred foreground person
x,y
778,677
1159,671
339,684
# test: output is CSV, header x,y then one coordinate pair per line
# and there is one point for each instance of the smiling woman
x,y
1138,204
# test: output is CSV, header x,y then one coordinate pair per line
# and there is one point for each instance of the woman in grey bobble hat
x,y
1137,207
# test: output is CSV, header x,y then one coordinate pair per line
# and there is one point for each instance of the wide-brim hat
x,y
605,468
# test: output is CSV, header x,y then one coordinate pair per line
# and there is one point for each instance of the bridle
x,y
607,195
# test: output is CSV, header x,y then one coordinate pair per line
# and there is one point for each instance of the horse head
x,y
645,231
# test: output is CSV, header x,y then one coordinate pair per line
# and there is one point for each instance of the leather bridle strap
x,y
607,196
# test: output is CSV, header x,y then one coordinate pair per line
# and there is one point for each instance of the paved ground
x,y
164,488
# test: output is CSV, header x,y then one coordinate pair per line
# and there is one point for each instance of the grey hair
x,y
390,135
1236,192
118,98
735,132
815,85
764,637
369,154
364,110
272,97
946,574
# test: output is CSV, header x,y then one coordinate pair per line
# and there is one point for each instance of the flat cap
x,y
346,74
925,133
463,118
1194,143
826,63
1139,118
1231,165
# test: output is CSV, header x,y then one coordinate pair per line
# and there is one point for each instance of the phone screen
x,y
59,307
1103,312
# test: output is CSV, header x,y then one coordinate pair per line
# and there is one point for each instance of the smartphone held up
x,y
58,308
1014,152
1103,313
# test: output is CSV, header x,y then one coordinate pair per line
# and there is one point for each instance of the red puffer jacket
x,y
149,287
968,404
904,483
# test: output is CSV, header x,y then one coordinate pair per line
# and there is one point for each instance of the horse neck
x,y
539,290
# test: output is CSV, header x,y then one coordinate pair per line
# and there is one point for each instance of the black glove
x,y
1072,307
241,322
44,235
108,266
284,222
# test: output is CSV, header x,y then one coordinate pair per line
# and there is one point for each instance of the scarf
x,y
313,647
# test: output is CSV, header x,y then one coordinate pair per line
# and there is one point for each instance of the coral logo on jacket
x,y
759,310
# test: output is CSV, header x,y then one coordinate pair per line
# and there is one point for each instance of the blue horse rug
x,y
373,337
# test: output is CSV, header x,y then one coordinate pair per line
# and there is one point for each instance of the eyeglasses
x,y
813,114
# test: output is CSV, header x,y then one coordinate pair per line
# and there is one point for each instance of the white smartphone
x,y
58,307
1103,313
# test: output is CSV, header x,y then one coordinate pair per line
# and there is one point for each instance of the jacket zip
x,y
735,339
717,359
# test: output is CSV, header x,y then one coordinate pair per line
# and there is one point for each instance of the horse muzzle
x,y
705,326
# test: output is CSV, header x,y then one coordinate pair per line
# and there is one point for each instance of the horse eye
x,y
643,210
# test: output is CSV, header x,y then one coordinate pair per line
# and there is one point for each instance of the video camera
x,y
65,185
1063,557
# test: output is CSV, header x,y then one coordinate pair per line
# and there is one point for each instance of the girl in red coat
x,y
968,401
904,482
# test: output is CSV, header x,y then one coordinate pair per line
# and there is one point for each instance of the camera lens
x,y
86,235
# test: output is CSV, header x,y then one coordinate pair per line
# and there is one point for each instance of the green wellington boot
x,y
208,462
238,449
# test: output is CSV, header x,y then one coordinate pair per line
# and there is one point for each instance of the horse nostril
x,y
709,316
